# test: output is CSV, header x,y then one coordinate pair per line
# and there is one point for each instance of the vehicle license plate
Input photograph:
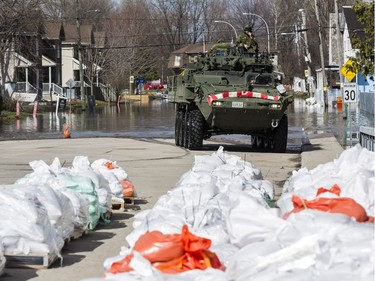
x,y
237,104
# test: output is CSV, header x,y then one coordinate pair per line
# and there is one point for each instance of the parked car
x,y
149,86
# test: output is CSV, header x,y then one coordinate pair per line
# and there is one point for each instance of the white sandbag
x,y
244,258
60,209
167,223
81,167
299,180
366,158
86,188
249,221
189,194
352,172
225,252
191,177
112,176
209,274
313,242
80,207
25,225
2,258
206,163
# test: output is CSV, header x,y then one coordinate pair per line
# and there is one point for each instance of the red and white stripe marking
x,y
244,94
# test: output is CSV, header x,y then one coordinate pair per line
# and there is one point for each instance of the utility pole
x,y
307,52
81,80
321,54
339,45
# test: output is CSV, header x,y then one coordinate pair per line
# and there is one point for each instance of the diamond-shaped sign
x,y
348,70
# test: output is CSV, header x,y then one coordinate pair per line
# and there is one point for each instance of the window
x,y
177,61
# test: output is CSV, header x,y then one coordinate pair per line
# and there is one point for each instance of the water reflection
x,y
155,119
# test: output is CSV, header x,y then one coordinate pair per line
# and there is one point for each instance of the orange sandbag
x,y
192,242
158,247
172,253
196,256
109,165
335,189
122,265
344,205
127,188
202,260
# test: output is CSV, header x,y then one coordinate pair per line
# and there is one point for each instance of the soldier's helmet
x,y
248,27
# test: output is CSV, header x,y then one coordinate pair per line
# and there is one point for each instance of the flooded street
x,y
155,119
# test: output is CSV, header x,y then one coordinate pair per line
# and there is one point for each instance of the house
x,y
349,26
185,55
340,49
52,38
48,65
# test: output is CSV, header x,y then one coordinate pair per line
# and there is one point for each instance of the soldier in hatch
x,y
246,40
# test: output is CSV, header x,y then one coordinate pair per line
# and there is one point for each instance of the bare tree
x,y
19,21
130,40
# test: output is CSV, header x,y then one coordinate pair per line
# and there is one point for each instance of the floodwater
x,y
146,118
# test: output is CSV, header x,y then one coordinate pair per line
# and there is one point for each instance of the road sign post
x,y
350,90
348,70
350,96
350,93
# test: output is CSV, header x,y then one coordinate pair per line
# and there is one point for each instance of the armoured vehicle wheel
x,y
280,136
258,142
186,129
177,131
196,123
181,129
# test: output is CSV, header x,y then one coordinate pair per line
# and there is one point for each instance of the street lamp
x,y
268,31
221,21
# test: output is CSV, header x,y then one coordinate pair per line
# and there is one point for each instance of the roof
x,y
353,24
71,34
100,39
52,30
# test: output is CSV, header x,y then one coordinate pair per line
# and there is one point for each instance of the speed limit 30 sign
x,y
350,92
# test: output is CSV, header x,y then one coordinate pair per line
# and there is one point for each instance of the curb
x,y
320,149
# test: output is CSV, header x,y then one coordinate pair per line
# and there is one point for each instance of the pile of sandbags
x,y
2,259
46,207
118,180
25,226
224,199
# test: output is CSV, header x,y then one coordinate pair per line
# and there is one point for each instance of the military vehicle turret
x,y
230,91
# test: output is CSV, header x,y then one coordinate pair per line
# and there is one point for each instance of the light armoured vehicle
x,y
230,91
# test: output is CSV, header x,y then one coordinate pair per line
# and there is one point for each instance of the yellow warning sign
x,y
348,70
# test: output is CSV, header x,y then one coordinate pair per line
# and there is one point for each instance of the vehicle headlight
x,y
275,106
218,103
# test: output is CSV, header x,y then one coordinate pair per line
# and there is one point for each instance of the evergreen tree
x,y
364,61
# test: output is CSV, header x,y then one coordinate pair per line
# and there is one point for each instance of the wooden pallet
x,y
129,200
79,233
121,205
32,260
118,205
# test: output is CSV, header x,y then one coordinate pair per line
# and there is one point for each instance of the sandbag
x,y
172,253
127,188
156,246
342,205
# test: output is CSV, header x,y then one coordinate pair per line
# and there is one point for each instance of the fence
x,y
367,137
